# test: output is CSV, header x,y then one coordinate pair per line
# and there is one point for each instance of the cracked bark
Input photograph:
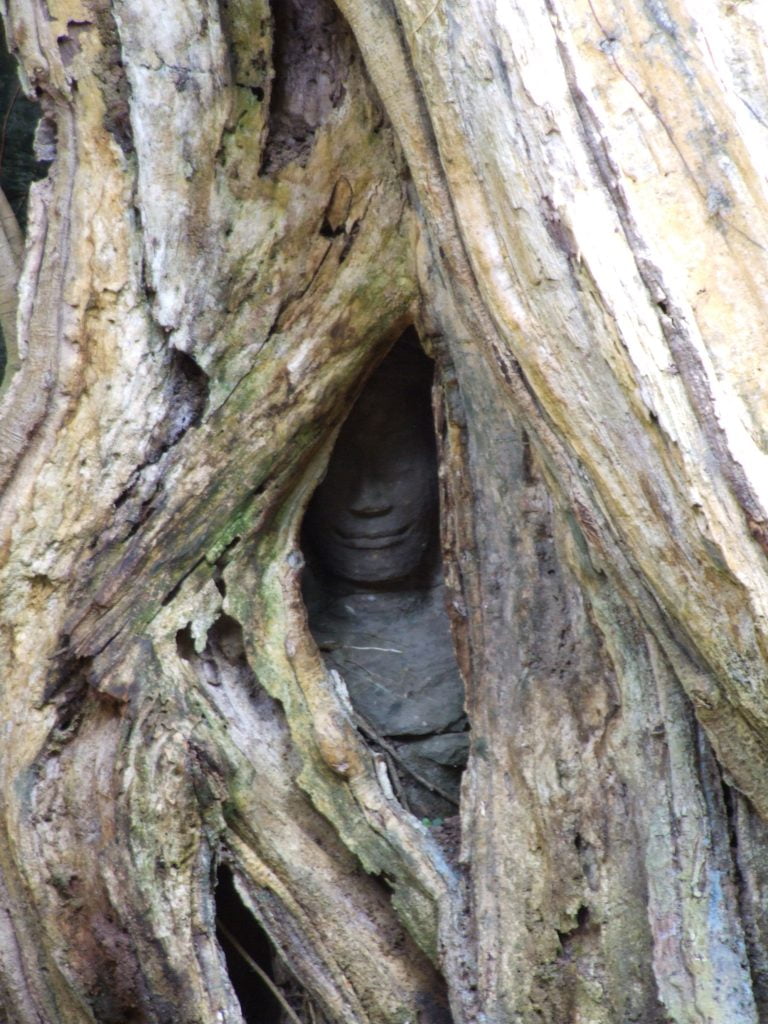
x,y
246,208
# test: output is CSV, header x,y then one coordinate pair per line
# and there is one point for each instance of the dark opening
x,y
189,388
19,116
19,166
580,929
311,55
330,232
242,938
374,584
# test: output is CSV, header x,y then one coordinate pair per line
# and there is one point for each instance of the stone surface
x,y
373,519
395,654
376,600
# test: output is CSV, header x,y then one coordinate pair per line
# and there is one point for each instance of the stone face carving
x,y
374,591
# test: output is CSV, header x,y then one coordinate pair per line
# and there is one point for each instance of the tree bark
x,y
248,206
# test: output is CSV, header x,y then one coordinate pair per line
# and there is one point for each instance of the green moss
x,y
248,27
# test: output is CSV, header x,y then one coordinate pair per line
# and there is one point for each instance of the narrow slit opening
x,y
374,585
248,953
19,167
311,55
19,117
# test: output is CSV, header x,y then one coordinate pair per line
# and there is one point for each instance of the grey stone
x,y
374,589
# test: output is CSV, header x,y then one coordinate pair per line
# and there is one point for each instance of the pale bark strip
x,y
11,248
14,239
36,333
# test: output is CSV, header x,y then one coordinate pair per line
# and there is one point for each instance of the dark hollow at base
x,y
258,1004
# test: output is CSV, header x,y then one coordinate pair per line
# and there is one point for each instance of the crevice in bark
x,y
311,53
69,690
730,808
186,398
581,926
218,577
375,589
186,394
239,933
19,119
67,673
529,477
189,395
248,30
174,591
335,216
70,712
111,74
588,860
224,650
747,835
73,691
185,644
267,991
20,165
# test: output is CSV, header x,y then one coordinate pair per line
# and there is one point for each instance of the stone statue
x,y
374,591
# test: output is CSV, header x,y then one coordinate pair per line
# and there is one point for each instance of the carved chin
x,y
375,560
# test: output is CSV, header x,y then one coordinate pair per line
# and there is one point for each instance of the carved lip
x,y
374,539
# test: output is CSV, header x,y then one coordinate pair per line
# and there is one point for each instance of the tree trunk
x,y
248,205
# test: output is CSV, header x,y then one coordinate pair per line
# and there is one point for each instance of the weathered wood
x,y
247,207
11,244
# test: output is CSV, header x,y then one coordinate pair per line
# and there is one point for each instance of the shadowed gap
x,y
374,585
235,922
311,54
18,165
19,116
